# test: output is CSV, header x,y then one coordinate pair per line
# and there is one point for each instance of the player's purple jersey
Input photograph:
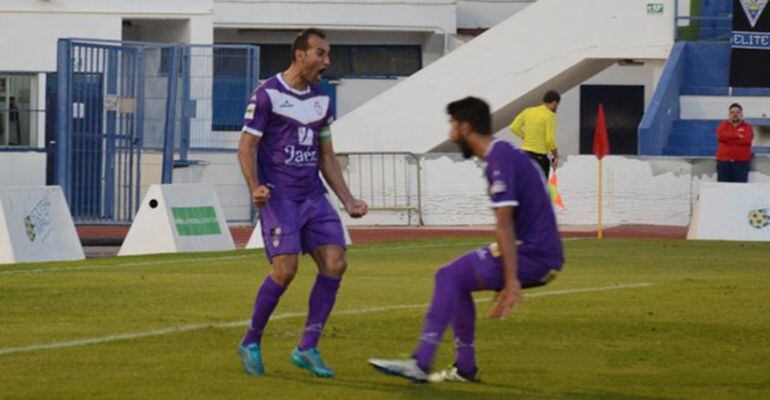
x,y
514,180
290,124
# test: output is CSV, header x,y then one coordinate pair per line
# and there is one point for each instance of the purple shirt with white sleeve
x,y
514,180
290,124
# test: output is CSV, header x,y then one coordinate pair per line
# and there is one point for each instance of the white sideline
x,y
231,324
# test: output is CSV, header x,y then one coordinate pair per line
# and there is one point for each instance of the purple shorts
x,y
488,268
294,226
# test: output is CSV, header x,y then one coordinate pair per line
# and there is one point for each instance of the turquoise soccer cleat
x,y
251,356
311,360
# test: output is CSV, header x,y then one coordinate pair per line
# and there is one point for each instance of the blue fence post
x,y
111,134
64,117
253,71
187,104
138,139
168,134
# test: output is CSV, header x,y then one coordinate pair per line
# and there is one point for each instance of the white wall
x,y
351,93
22,168
388,15
608,30
655,191
22,30
488,13
36,26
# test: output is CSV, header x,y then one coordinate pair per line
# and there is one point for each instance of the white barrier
x,y
36,225
732,211
256,241
176,219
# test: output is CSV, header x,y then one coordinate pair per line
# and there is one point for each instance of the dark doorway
x,y
623,110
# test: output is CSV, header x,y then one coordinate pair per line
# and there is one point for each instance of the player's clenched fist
x,y
357,208
260,196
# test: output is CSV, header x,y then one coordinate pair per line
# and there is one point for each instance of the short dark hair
x,y
735,105
302,41
551,96
473,111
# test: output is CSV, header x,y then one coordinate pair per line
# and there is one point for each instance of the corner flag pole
x,y
599,233
601,149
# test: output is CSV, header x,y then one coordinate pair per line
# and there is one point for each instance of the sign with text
x,y
750,42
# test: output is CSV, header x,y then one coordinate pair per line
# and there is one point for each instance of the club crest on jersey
x,y
753,10
318,108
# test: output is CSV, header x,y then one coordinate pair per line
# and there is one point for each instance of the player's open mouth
x,y
321,73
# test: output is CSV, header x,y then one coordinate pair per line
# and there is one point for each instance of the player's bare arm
x,y
511,294
247,157
333,175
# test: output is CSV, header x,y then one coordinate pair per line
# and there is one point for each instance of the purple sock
x,y
464,326
267,298
452,282
321,302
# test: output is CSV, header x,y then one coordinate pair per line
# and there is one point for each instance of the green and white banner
x,y
176,219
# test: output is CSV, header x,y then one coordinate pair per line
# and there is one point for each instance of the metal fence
x,y
118,98
100,125
387,181
217,82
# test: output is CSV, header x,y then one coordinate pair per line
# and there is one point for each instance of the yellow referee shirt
x,y
539,129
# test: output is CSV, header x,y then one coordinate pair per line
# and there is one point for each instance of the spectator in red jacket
x,y
734,149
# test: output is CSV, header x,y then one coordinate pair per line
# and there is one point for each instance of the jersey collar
x,y
289,88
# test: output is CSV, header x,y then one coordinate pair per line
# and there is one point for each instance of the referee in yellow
x,y
536,126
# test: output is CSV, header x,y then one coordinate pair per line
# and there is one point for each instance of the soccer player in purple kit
x,y
523,211
286,140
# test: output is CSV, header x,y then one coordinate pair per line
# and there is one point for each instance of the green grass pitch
x,y
166,327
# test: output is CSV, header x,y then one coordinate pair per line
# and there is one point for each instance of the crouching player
x,y
523,211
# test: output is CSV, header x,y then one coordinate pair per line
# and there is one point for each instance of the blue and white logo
x,y
753,9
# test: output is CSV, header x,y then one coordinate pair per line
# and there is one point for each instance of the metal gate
x,y
117,98
99,128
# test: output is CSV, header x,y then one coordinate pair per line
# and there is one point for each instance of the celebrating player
x,y
285,141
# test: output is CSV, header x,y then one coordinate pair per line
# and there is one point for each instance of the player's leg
x,y
331,266
281,248
269,294
488,271
452,282
323,237
488,276
464,368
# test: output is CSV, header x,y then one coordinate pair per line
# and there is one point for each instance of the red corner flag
x,y
601,143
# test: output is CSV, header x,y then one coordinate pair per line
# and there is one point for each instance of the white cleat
x,y
405,368
451,374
